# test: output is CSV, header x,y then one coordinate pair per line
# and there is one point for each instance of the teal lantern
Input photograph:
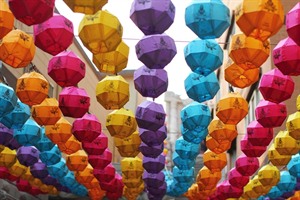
x,y
185,149
51,157
44,143
58,169
181,163
287,182
274,193
8,99
294,165
29,134
196,135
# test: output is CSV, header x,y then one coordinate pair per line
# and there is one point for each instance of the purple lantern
x,y
66,69
14,144
236,179
74,102
28,155
246,166
259,135
152,17
150,115
293,23
154,179
276,87
156,51
6,135
100,161
97,146
154,165
49,180
157,191
105,175
39,170
150,82
153,137
251,150
151,151
54,35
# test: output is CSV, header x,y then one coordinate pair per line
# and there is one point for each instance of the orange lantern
x,y
217,146
85,176
214,162
232,108
260,19
121,123
72,145
269,175
92,184
60,132
276,158
132,167
245,49
8,157
47,112
77,161
86,6
17,169
285,144
27,175
258,187
35,182
207,179
220,131
129,146
96,193
6,19
112,92
46,188
32,88
239,77
17,49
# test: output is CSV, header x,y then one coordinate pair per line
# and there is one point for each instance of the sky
x,y
177,70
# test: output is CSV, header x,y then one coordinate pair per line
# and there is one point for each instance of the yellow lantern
x,y
72,145
114,61
17,169
276,158
245,49
220,131
258,187
6,19
293,125
86,6
260,19
269,175
217,146
214,162
32,88
132,167
85,176
47,112
77,161
134,191
232,108
101,32
285,144
121,123
46,188
132,182
60,132
17,49
207,179
249,192
8,157
35,182
27,175
129,146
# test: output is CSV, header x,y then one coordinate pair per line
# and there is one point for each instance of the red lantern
x,y
97,146
105,175
251,150
8,24
246,166
100,161
23,185
259,135
236,179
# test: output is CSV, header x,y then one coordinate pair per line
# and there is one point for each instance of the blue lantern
x,y
59,169
203,56
80,191
17,117
44,144
195,136
274,193
51,157
8,99
29,134
208,19
287,182
201,88
184,176
175,189
68,180
185,149
294,165
183,164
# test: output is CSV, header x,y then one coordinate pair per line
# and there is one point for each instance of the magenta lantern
x,y
97,146
230,191
270,114
114,186
105,175
87,128
236,179
4,173
246,166
100,161
66,69
293,23
74,102
23,185
276,87
32,11
259,135
54,35
251,150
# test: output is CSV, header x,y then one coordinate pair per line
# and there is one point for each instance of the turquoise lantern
x,y
274,193
59,169
8,99
68,180
51,157
181,163
44,144
185,149
196,135
294,165
287,182
29,134
184,175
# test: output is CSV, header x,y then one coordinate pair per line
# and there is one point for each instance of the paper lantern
x,y
77,161
72,145
217,146
221,131
68,180
101,32
87,7
203,56
249,192
183,175
60,132
59,169
274,192
51,157
153,137
86,175
54,35
157,192
96,193
7,157
150,82
29,134
28,155
270,114
44,144
97,146
39,170
100,161
150,115
4,173
7,25
112,62
153,179
276,87
8,99
112,92
17,117
49,180
293,166
182,163
13,144
232,108
268,175
285,144
32,88
258,187
276,158
154,165
195,136
287,182
251,150
292,125
129,146
246,166
259,135
115,185
17,169
86,128
156,51
132,167
201,88
236,179
292,23
208,19
213,161
207,179
6,135
17,49
186,149
229,191
132,182
105,175
47,112
23,185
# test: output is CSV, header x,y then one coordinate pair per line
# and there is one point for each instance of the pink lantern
x,y
105,175
100,161
276,87
285,59
293,23
236,179
230,191
66,69
246,166
74,102
270,114
97,146
259,135
86,128
54,35
32,11
250,150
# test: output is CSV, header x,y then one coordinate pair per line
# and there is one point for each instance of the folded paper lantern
x,y
213,161
54,35
100,161
207,19
153,179
207,179
7,25
60,132
274,192
28,155
276,87
17,49
96,193
29,134
152,17
285,144
258,187
13,144
113,61
259,135
182,163
132,167
49,180
39,170
36,183
23,185
217,146
151,151
86,128
186,149
183,175
236,179
6,135
86,175
59,169
287,182
150,82
132,182
251,150
4,173
221,131
68,180
292,125
112,92
8,99
72,145
203,56
51,157
115,185
246,166
229,191
195,136
157,192
77,161
129,146
17,169
97,146
105,175
249,192
86,7
101,32
154,165
201,88
292,23
32,88
92,184
7,157
121,123
269,175
44,144
293,166
276,158
153,137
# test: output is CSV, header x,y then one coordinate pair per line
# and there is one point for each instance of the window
x,y
254,100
